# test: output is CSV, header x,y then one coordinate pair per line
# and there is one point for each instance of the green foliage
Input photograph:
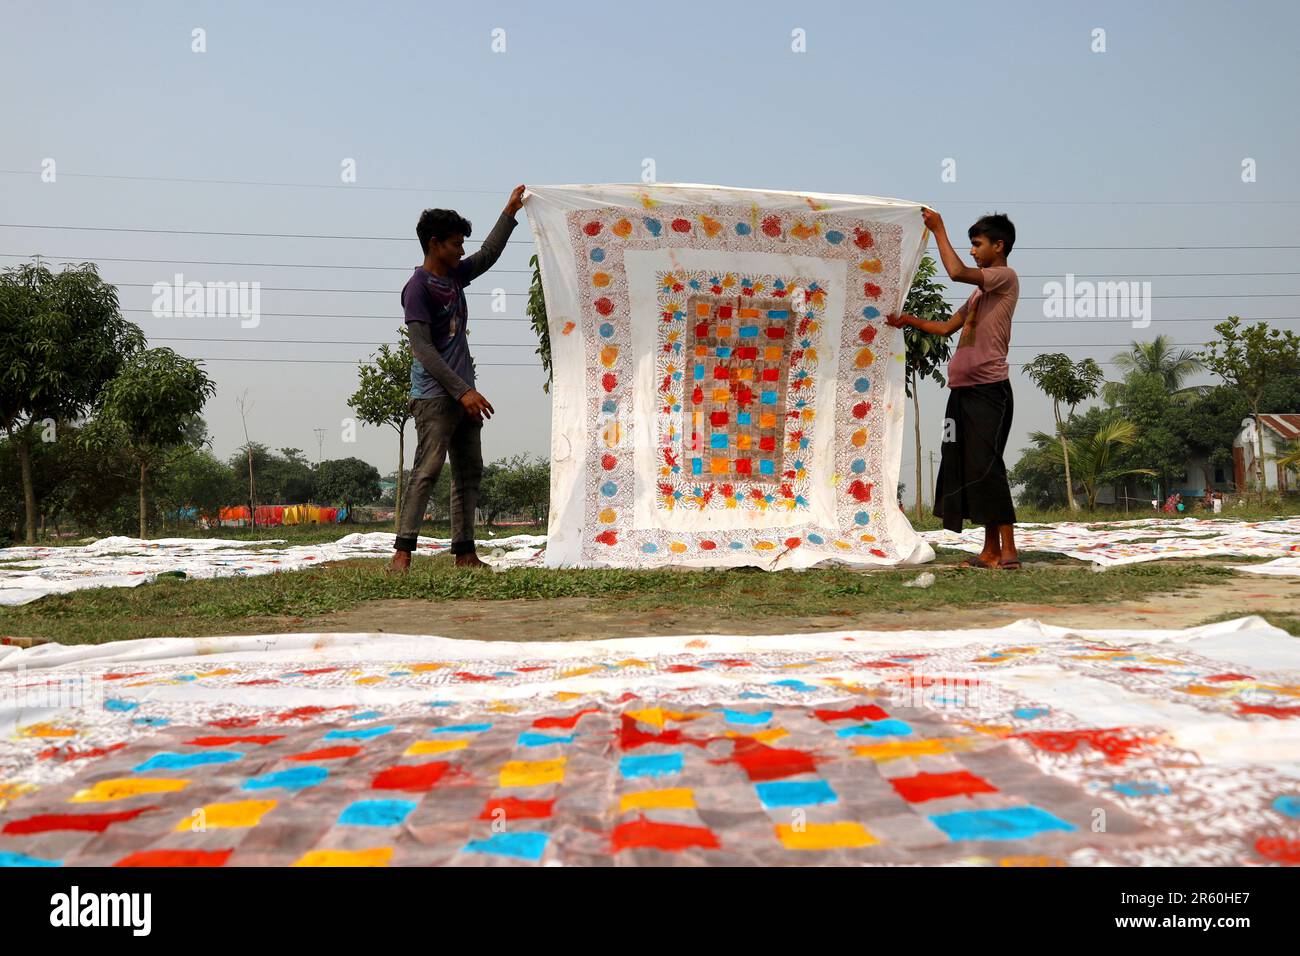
x,y
1065,382
1096,457
515,486
62,336
283,478
1158,357
926,353
347,481
200,480
1249,359
536,312
149,408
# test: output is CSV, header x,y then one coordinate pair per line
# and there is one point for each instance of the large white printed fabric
x,y
1115,543
30,573
997,747
726,390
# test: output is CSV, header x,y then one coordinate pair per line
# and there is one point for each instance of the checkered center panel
x,y
738,355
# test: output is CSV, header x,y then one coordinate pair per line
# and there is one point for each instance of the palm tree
x,y
1093,457
1290,460
1158,357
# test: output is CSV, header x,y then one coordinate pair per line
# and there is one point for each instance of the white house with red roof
x,y
1278,432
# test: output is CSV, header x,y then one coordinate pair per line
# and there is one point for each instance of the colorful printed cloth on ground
x,y
1024,745
726,390
127,562
1130,542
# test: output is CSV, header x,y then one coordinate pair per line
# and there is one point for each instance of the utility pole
x,y
320,444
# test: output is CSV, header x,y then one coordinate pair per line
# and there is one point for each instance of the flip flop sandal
x,y
1009,565
975,563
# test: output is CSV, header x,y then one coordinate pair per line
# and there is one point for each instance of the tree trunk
x,y
1065,451
252,507
1259,457
916,415
29,487
401,465
144,529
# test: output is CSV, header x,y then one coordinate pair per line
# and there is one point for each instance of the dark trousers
x,y
443,427
972,482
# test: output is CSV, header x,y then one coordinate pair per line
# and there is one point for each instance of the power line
x,y
397,318
208,358
290,235
310,265
1197,295
277,265
477,345
243,235
327,315
246,182
498,191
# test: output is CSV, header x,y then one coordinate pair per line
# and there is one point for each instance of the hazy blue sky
x,y
1139,146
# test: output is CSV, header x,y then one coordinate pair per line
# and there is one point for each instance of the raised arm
x,y
952,264
473,266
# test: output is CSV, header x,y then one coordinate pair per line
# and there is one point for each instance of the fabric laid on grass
x,y
128,562
1131,542
1022,745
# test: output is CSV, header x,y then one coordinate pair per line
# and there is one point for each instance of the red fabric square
x,y
767,443
718,418
771,374
721,371
724,311
746,352
702,330
742,466
936,786
744,396
775,332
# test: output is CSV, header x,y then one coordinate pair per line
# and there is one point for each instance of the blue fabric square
x,y
697,466
769,398
744,418
766,467
749,331
699,372
718,441
723,351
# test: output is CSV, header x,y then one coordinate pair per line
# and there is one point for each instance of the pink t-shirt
x,y
981,354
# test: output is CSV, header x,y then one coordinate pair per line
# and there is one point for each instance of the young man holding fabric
x,y
448,410
972,479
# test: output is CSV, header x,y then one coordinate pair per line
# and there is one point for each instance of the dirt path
x,y
566,619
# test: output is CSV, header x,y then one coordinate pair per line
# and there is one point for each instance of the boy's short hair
x,y
993,227
438,224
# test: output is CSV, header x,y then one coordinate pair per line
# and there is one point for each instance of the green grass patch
x,y
289,601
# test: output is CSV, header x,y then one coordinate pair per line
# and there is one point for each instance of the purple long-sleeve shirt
x,y
443,365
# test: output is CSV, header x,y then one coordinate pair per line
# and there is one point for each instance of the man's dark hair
x,y
993,227
438,224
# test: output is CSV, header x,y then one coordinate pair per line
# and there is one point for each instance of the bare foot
x,y
401,562
470,560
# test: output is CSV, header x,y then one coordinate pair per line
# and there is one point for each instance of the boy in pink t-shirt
x,y
972,481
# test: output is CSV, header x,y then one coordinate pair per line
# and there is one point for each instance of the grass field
x,y
290,601
295,601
